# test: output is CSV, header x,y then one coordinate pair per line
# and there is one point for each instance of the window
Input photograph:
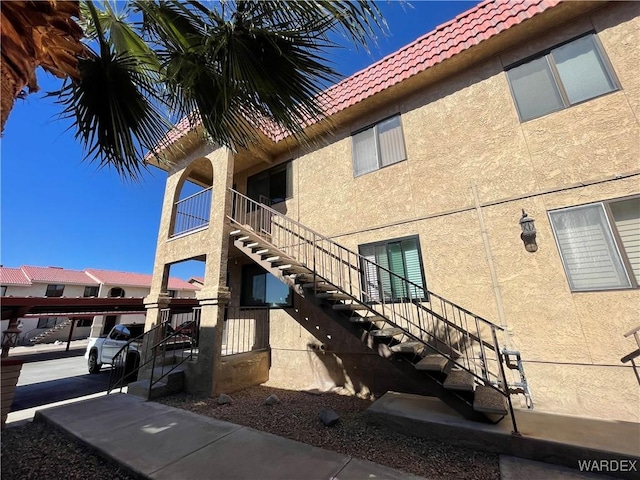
x,y
600,244
54,291
271,186
260,289
378,146
116,292
47,322
84,322
3,290
397,261
171,293
91,291
563,76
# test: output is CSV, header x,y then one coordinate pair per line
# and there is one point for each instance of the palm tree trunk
x,y
7,93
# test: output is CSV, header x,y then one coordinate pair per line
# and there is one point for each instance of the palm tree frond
x,y
113,111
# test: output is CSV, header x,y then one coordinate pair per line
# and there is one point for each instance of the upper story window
x,y
54,291
3,290
271,186
560,77
392,270
377,146
600,244
116,292
90,291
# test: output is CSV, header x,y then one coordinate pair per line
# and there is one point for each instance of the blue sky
x,y
58,210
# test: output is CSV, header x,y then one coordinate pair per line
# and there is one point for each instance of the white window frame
x,y
617,242
547,54
376,138
367,296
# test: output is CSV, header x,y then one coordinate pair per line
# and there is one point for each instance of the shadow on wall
x,y
340,359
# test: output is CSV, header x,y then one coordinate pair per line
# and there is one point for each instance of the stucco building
x,y
413,192
32,281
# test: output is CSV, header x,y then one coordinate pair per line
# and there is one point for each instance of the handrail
x,y
351,252
193,195
119,359
464,338
166,341
150,353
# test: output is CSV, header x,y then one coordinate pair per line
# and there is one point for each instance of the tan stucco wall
x,y
464,133
243,370
40,289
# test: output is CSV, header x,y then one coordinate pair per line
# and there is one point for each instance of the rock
x,y
328,417
224,399
272,400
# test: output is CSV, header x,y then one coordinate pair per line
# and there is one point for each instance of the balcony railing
x,y
246,330
192,212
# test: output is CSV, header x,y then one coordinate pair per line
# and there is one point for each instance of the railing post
x,y
504,380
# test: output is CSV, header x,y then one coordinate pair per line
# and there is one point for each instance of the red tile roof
x,y
26,275
468,29
13,276
57,275
111,277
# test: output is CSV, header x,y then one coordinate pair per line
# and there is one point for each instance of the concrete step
x,y
140,389
244,239
320,286
460,380
432,363
171,384
293,268
349,306
236,233
386,332
371,319
408,347
252,245
489,400
334,296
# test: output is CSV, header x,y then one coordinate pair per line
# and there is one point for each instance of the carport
x,y
14,308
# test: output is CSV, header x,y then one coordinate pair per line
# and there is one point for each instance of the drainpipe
x,y
492,269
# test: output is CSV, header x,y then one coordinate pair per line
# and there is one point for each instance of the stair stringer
x,y
454,399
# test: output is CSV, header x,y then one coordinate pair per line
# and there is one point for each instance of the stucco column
x,y
154,305
207,368
215,294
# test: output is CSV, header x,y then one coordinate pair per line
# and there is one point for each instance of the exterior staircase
x,y
419,331
153,365
41,337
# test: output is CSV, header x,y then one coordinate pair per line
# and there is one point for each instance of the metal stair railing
x,y
464,338
144,347
177,342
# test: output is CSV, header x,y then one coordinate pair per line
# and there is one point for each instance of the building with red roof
x,y
33,281
474,192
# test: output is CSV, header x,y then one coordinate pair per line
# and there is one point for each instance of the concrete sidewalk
x,y
562,440
160,442
49,351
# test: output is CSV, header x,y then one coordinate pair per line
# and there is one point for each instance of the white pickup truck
x,y
102,350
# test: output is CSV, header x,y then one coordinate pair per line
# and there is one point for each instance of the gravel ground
x,y
40,452
37,451
296,417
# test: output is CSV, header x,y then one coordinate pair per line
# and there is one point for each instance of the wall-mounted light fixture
x,y
10,338
528,234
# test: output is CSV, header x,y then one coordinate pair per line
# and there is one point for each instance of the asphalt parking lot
x,y
50,374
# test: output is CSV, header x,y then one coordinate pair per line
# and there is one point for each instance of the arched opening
x,y
116,292
193,202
